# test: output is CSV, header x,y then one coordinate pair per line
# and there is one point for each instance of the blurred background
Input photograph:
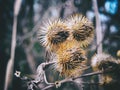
x,y
29,53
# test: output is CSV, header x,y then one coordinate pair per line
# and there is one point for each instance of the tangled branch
x,y
41,77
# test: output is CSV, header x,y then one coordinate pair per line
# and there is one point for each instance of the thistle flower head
x,y
71,62
106,62
103,62
53,33
81,28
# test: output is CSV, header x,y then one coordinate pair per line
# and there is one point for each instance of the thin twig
x,y
71,79
89,74
46,81
41,74
90,83
50,86
43,66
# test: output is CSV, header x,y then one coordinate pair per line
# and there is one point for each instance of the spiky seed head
x,y
68,44
81,29
102,61
53,33
106,62
96,59
71,62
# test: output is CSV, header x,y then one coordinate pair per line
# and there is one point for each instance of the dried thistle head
x,y
105,62
71,62
81,29
53,33
102,62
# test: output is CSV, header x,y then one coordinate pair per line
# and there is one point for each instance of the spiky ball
x,y
52,34
105,62
71,62
81,29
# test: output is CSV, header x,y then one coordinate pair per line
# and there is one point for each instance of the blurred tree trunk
x,y
98,34
10,65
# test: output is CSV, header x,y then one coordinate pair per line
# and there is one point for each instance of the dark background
x,y
29,53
